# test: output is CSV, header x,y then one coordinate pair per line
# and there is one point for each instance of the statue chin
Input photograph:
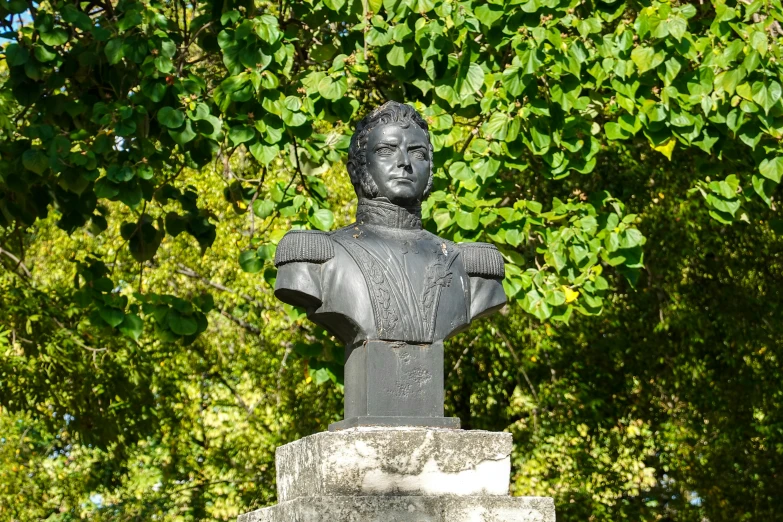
x,y
401,194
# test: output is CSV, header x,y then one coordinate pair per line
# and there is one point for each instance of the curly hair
x,y
390,112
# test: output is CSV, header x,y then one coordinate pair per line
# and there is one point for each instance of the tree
x,y
137,127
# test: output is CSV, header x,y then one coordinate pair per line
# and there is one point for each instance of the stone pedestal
x,y
399,474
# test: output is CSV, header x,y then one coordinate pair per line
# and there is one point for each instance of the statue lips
x,y
403,178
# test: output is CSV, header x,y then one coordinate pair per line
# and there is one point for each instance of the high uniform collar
x,y
387,214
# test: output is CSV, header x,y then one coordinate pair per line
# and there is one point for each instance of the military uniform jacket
x,y
386,278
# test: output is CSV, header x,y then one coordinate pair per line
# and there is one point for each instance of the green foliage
x,y
543,89
143,129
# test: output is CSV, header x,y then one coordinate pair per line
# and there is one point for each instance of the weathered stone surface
x,y
408,509
394,461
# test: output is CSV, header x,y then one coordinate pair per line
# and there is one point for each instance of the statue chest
x,y
416,285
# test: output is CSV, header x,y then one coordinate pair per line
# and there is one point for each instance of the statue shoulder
x,y
311,246
482,259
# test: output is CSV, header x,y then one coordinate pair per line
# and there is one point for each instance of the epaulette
x,y
309,246
482,259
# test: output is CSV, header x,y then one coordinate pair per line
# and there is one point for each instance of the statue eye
x,y
418,154
384,151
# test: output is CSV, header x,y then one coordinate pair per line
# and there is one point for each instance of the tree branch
x,y
19,263
184,270
244,324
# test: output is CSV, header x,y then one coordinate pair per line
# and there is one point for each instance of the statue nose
x,y
403,160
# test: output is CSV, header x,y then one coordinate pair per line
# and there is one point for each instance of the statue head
x,y
391,155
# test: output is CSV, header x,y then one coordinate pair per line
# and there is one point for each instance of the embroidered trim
x,y
438,277
386,316
378,212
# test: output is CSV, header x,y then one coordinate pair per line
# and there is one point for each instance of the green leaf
x,y
250,262
154,90
497,126
473,81
759,42
241,134
57,36
334,5
468,220
447,93
132,326
106,189
114,50
264,153
486,167
73,16
16,6
42,54
333,89
181,324
488,14
119,173
646,58
268,29
589,26
398,57
630,238
461,171
772,168
729,80
534,304
266,252
673,67
112,316
677,27
125,128
442,218
763,188
16,55
230,17
293,119
263,208
766,95
164,64
514,81
175,224
35,160
171,117
724,205
615,131
184,135
143,237
168,48
322,219
131,19
423,6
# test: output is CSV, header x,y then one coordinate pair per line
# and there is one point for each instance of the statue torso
x,y
412,283
385,278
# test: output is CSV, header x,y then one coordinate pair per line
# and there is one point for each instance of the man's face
x,y
398,160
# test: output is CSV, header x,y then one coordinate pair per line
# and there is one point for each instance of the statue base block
x,y
408,509
399,474
367,421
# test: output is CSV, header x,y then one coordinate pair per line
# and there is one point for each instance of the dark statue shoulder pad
x,y
311,246
482,259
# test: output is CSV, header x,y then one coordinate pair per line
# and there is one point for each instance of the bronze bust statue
x,y
388,289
